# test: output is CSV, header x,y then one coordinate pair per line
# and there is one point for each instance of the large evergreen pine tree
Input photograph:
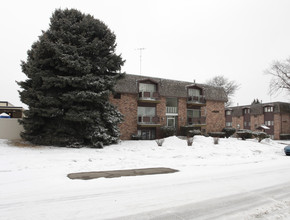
x,y
71,71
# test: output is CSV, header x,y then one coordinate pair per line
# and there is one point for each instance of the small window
x,y
117,96
246,111
269,109
228,112
269,123
215,111
228,124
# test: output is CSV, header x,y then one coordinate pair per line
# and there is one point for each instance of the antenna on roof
x,y
140,50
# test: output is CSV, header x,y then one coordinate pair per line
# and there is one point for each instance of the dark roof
x,y
257,109
169,88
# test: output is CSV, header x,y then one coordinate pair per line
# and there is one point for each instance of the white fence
x,y
10,128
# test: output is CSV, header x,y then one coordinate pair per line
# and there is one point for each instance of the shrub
x,y
185,130
192,133
260,135
217,134
244,134
285,136
159,142
189,141
229,131
167,131
135,137
216,140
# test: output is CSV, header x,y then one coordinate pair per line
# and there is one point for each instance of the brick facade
x,y
182,112
275,115
194,108
256,120
215,116
238,122
127,105
277,126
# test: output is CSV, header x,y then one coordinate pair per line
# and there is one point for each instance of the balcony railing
x,y
196,121
148,120
171,110
148,95
196,99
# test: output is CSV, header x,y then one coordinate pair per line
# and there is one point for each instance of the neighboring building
x,y
13,111
275,115
148,103
10,127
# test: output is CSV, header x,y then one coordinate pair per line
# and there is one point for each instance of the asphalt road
x,y
276,199
248,200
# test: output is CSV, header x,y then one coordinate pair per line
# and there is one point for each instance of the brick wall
x,y
215,116
161,111
127,105
277,126
285,118
182,112
238,121
256,120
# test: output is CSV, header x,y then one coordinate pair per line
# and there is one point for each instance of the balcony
x,y
148,121
151,97
171,110
201,121
196,100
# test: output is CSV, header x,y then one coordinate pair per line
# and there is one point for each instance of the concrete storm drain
x,y
120,173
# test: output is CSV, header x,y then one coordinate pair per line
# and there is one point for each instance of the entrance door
x,y
171,121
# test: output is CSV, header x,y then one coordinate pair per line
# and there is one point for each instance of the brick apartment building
x,y
149,103
275,115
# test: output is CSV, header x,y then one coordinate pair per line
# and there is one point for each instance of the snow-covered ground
x,y
232,180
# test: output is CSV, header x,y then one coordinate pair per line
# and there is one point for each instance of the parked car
x,y
287,150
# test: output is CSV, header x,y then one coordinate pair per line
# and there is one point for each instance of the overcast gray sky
x,y
183,39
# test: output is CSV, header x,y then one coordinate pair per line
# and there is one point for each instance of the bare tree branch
x,y
280,70
230,87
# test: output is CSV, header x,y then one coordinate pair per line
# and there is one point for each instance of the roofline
x,y
262,104
181,81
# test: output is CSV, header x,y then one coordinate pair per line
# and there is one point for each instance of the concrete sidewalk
x,y
120,173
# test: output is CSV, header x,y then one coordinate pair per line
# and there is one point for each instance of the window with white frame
x,y
193,92
247,124
246,111
269,109
269,123
146,111
146,87
228,112
228,124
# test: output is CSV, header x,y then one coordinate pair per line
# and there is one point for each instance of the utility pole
x,y
140,50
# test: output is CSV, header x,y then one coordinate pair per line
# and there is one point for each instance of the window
x,y
229,112
117,96
247,124
171,106
146,87
146,111
269,123
228,124
269,109
193,92
246,111
192,113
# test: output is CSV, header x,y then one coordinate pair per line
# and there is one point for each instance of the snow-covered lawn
x,y
34,183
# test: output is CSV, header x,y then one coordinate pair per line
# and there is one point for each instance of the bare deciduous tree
x,y
280,70
230,87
